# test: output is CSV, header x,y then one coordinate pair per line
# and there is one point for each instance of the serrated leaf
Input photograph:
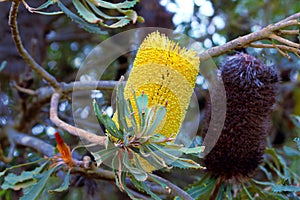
x,y
13,179
153,159
92,28
194,150
102,14
45,5
131,14
108,5
22,165
203,189
118,24
19,185
37,189
64,186
172,157
85,13
139,173
144,187
285,188
102,155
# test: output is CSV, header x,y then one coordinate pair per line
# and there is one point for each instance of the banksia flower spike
x,y
166,73
251,89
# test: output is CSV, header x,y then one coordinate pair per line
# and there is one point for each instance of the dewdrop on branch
x,y
251,89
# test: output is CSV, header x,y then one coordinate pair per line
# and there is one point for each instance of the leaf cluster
x,y
91,15
134,145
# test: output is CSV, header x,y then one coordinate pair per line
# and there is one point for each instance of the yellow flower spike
x,y
165,72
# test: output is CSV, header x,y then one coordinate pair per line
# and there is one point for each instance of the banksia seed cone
x,y
251,89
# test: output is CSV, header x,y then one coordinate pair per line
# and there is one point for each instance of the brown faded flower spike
x,y
251,89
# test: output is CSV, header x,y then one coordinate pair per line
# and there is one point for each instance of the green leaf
x,y
297,140
118,24
3,65
247,192
85,13
44,5
108,5
102,14
172,157
37,189
152,158
92,28
102,155
122,108
220,194
228,192
290,151
25,179
138,172
202,188
267,173
142,106
108,123
296,120
49,13
131,14
144,187
285,188
193,150
65,185
159,117
22,165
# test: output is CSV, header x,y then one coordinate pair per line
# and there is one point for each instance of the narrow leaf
x,y
108,5
64,186
44,5
37,189
92,28
3,65
285,188
118,24
85,13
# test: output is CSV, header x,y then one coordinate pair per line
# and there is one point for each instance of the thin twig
x,y
23,90
175,190
89,85
93,138
29,141
284,41
246,40
23,52
288,32
280,46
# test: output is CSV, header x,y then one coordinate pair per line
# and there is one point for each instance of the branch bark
x,y
101,140
248,40
22,51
